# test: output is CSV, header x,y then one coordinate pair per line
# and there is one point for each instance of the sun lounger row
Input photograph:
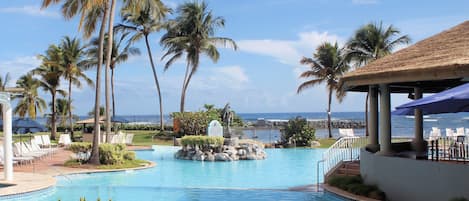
x,y
461,132
122,138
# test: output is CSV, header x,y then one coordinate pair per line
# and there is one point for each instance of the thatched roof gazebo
x,y
429,66
434,64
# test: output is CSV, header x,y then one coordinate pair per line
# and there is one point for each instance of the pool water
x,y
180,180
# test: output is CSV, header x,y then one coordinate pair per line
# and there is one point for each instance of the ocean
x,y
401,125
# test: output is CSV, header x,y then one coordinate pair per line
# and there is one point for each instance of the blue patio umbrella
x,y
449,101
26,125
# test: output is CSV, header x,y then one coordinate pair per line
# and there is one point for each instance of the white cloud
x,y
224,78
30,10
18,66
364,1
288,51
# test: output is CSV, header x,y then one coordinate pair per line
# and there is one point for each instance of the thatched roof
x,y
442,59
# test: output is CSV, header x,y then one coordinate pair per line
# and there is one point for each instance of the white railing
x,y
344,149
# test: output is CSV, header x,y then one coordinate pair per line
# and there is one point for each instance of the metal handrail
x,y
344,149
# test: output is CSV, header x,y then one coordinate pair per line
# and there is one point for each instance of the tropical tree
x,y
62,108
370,42
192,34
49,72
120,54
73,58
30,102
91,12
142,23
3,82
327,66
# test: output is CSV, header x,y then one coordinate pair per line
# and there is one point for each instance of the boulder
x,y
210,157
315,144
222,157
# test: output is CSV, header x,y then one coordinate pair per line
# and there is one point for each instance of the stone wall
x,y
232,150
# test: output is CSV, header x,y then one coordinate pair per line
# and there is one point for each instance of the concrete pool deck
x,y
41,174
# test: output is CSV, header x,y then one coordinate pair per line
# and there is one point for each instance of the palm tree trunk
x,y
112,97
329,114
183,91
156,83
94,158
108,64
53,125
70,106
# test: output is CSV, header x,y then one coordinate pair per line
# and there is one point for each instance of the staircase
x,y
348,168
342,158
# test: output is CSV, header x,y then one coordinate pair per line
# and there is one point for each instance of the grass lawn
x,y
144,138
326,142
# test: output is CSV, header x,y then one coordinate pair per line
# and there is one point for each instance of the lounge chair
x,y
346,132
435,134
129,138
65,140
20,150
460,131
38,140
16,160
450,133
46,141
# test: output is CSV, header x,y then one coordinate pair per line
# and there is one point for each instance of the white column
x,y
7,141
385,120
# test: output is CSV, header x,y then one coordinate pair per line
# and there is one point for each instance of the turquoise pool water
x,y
196,181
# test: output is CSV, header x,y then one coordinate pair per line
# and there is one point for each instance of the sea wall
x,y
320,124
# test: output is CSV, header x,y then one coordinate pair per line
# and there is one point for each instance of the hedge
x,y
109,154
202,140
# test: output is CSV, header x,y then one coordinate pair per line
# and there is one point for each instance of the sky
x,y
260,77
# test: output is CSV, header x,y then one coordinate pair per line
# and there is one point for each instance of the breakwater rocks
x,y
316,123
232,150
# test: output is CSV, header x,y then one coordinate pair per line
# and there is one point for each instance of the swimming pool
x,y
196,181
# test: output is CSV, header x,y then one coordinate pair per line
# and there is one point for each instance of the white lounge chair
x,y
46,141
449,132
435,133
460,131
38,140
65,140
129,138
346,132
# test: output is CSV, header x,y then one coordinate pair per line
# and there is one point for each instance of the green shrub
x,y
355,185
129,155
299,131
110,154
202,140
80,147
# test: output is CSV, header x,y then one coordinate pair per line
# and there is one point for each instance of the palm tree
x,y
327,66
91,11
73,56
29,102
142,23
50,72
371,42
3,82
62,108
192,33
120,54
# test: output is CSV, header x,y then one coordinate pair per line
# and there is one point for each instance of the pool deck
x,y
41,174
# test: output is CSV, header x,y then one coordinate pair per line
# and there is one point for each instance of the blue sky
x,y
262,76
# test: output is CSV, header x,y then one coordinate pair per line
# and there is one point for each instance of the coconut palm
x,y
142,23
73,56
50,71
3,82
91,12
120,54
327,66
62,108
192,34
30,102
371,42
